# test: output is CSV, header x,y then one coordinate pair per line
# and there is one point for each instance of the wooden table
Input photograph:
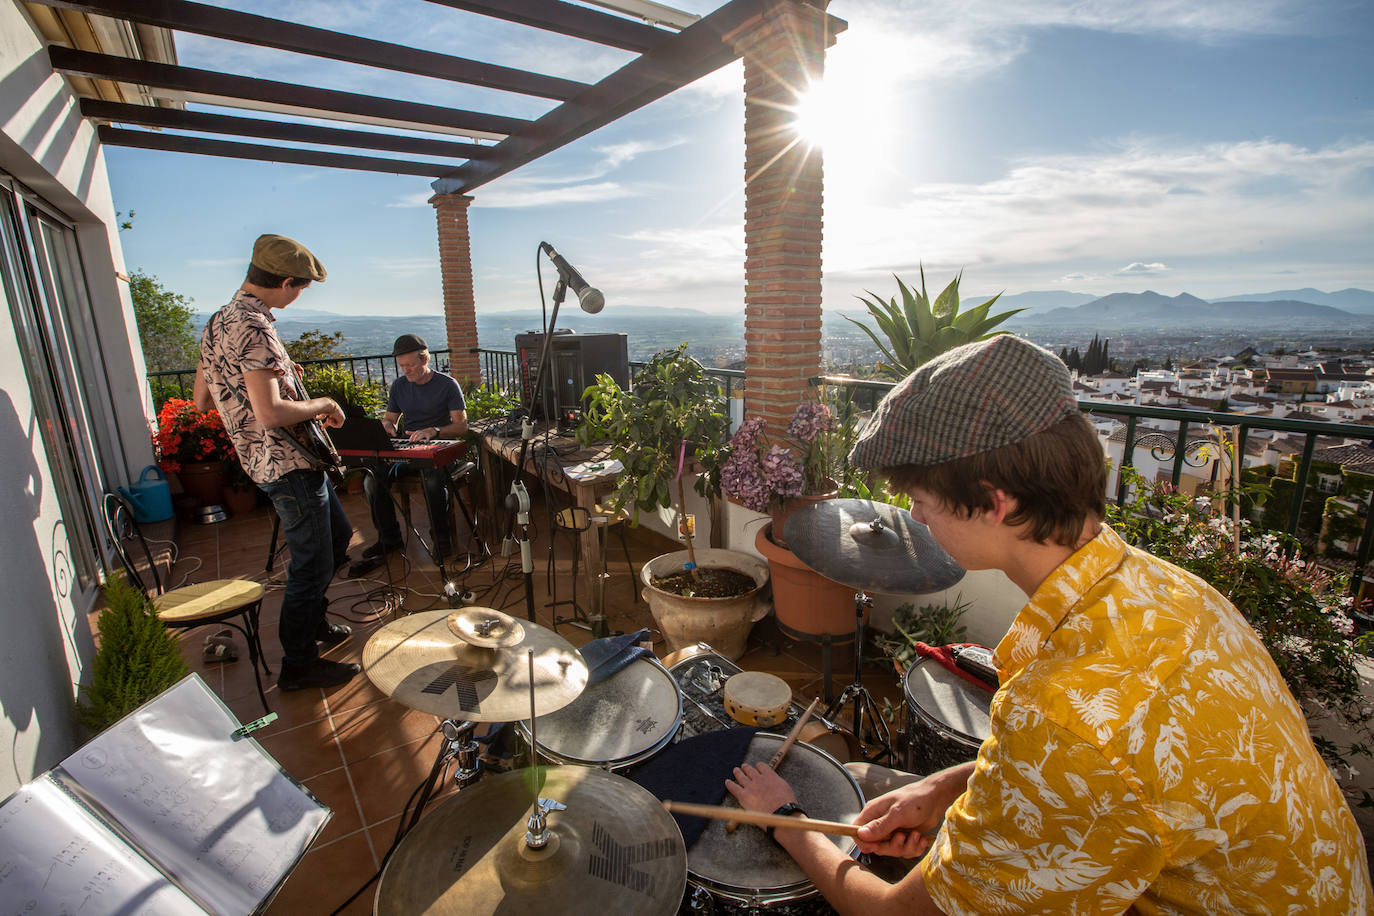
x,y
586,492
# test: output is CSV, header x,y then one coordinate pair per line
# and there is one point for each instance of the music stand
x,y
863,544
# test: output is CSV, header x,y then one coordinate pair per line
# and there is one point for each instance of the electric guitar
x,y
310,438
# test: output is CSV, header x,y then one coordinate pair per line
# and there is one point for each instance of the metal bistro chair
x,y
564,515
235,603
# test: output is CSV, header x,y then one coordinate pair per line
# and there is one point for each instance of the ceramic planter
x,y
804,600
723,623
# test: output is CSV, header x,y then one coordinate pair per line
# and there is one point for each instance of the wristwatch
x,y
438,431
784,811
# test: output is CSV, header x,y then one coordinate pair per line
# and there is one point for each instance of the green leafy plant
x,y
917,330
137,660
166,325
358,399
490,401
1300,610
674,415
932,624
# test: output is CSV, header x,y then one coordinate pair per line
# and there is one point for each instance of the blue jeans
x,y
317,532
434,481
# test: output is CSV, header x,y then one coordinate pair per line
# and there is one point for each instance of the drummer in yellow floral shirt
x,y
1145,753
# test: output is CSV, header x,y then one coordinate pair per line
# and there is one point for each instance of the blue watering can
x,y
151,499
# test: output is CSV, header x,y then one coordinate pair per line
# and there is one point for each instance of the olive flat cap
x,y
408,343
967,401
286,257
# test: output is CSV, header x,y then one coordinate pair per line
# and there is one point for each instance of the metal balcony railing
x,y
380,367
1178,423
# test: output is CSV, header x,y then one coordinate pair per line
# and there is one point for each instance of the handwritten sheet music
x,y
218,815
56,858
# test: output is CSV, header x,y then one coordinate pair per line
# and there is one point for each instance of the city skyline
x,y
1044,146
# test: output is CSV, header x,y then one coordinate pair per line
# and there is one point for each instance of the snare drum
x,y
744,872
616,723
947,718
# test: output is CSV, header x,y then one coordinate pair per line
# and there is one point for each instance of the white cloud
x,y
1141,269
513,196
1101,210
419,199
406,266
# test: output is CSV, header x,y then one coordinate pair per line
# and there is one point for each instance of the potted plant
x,y
193,444
671,423
766,476
355,398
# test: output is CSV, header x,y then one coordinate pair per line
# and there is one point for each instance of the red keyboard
x,y
435,452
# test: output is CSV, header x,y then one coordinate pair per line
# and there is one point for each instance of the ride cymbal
x,y
613,850
421,662
870,546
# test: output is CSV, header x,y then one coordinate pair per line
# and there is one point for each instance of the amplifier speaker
x,y
575,361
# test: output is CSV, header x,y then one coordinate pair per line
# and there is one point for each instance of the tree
x,y
918,331
166,324
315,344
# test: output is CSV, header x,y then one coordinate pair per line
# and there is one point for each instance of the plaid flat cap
x,y
969,400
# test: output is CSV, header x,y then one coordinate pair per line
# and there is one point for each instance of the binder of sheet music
x,y
165,812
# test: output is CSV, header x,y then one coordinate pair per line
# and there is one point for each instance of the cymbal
x,y
484,626
614,850
870,546
420,662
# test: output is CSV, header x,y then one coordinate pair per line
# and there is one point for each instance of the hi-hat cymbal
x,y
421,662
870,546
614,850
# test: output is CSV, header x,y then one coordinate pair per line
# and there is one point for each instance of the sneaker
x,y
319,673
379,550
331,634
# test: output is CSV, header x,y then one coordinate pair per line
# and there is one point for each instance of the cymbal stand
x,y
460,743
863,700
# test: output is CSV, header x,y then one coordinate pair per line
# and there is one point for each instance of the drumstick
x,y
760,819
787,743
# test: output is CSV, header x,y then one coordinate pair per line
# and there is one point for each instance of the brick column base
x,y
460,305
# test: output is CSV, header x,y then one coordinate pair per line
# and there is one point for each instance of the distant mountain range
x,y
653,327
1284,310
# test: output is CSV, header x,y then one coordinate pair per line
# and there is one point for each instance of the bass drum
x,y
744,872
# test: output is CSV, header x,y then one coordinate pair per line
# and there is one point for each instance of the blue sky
x,y
1213,148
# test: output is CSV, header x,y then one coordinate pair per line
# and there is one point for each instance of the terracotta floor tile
x,y
367,730
336,790
305,751
326,877
384,781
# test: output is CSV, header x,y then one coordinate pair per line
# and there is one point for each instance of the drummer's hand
x,y
757,788
894,824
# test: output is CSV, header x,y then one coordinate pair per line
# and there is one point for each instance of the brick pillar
x,y
784,52
460,304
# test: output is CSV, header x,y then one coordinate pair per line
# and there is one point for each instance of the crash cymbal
x,y
484,626
870,546
420,662
613,850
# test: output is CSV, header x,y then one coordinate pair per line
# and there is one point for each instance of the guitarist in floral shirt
x,y
1145,755
247,375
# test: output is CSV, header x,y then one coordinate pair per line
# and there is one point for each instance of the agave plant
x,y
918,331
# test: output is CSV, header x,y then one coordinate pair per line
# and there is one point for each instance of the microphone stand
x,y
518,502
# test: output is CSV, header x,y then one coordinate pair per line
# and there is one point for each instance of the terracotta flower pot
x,y
204,480
804,600
241,502
793,503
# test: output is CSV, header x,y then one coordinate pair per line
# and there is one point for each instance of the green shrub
x,y
489,401
932,624
358,399
137,660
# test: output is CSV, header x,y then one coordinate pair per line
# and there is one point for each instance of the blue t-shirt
x,y
425,405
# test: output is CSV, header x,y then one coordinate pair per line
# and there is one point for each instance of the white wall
x,y
47,643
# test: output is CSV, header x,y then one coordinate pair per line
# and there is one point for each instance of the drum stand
x,y
460,743
863,700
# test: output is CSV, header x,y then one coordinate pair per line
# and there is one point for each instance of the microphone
x,y
589,297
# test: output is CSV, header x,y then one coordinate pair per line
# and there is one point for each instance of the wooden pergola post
x,y
460,303
784,54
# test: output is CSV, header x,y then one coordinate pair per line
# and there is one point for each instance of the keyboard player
x,y
430,404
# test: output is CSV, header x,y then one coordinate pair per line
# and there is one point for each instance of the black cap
x,y
408,343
